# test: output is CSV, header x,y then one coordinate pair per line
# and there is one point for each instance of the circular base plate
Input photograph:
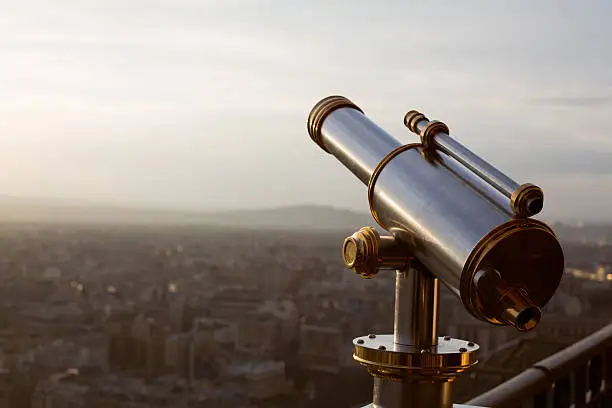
x,y
450,356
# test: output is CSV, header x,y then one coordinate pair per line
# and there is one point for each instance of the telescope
x,y
451,217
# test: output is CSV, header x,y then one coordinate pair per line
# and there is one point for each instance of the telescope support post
x,y
416,308
409,394
415,324
413,367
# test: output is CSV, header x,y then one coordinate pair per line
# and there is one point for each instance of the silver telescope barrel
x,y
503,267
524,200
357,142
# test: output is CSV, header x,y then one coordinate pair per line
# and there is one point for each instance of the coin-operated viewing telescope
x,y
452,217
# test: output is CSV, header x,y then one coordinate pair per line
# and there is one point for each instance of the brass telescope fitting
x,y
321,110
527,199
412,118
513,303
494,295
366,252
430,131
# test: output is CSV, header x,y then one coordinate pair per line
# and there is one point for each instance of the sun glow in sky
x,y
203,104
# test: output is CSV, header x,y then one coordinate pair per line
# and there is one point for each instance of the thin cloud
x,y
556,161
575,101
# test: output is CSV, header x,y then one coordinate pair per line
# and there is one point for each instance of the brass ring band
x,y
381,165
320,111
519,199
412,118
478,254
430,131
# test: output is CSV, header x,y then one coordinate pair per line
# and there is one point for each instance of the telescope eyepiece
x,y
528,318
511,304
535,205
527,200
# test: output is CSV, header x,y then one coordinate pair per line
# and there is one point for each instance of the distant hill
x,y
305,217
43,210
600,234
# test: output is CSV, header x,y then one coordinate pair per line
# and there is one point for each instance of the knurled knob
x,y
366,252
360,252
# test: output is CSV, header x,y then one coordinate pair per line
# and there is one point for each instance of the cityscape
x,y
162,315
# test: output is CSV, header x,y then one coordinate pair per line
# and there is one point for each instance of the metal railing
x,y
578,376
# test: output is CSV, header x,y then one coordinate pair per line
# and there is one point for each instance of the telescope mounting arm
x,y
414,354
366,252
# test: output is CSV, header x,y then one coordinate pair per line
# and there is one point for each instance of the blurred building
x,y
260,379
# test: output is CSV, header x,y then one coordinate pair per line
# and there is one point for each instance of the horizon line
x,y
152,207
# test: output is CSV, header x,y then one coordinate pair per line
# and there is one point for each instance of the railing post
x,y
540,400
607,377
595,376
580,385
562,393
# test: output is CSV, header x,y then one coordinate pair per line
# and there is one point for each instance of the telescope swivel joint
x,y
366,252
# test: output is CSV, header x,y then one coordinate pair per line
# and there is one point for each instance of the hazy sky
x,y
203,104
